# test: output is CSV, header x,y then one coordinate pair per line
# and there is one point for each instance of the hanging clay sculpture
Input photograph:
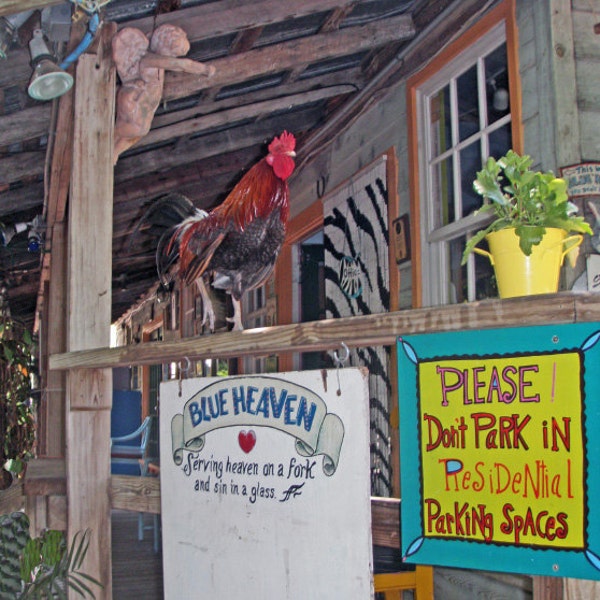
x,y
142,74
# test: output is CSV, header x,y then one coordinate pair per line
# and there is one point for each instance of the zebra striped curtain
x,y
356,239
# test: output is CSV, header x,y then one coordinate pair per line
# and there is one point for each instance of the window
x,y
259,308
463,115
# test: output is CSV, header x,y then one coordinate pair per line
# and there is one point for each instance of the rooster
x,y
238,241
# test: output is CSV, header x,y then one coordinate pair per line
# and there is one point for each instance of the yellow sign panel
x,y
502,449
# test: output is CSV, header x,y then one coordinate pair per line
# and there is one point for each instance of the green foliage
x,y
40,568
14,534
528,201
17,423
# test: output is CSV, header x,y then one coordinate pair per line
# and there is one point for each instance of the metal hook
x,y
341,361
188,364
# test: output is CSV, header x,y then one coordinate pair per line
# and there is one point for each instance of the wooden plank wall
x,y
534,69
586,14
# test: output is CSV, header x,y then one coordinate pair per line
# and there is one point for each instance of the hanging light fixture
x,y
6,36
48,80
8,29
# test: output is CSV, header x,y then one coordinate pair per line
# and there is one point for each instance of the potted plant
x,y
529,236
42,567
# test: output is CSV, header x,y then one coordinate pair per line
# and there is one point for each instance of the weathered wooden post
x,y
89,390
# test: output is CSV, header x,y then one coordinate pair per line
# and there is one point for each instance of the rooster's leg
x,y
237,315
208,313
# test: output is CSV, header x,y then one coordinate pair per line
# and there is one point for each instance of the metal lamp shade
x,y
48,81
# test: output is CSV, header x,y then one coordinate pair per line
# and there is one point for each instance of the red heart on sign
x,y
247,440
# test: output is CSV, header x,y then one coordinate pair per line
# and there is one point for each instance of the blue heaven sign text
x,y
499,431
260,401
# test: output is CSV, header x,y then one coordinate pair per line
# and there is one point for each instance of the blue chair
x,y
136,455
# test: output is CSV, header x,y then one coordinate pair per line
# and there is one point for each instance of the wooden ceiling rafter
x,y
262,61
238,68
278,67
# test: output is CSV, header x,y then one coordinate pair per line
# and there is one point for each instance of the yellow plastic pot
x,y
521,275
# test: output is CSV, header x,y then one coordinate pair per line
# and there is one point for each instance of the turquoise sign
x,y
499,434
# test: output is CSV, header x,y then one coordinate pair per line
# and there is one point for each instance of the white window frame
x,y
435,281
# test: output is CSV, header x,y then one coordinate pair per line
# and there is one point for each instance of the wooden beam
x,y
201,22
230,16
89,307
245,40
385,518
548,588
257,102
45,477
25,124
24,165
335,18
339,78
60,154
290,55
11,7
140,494
564,83
22,199
54,337
368,330
227,16
256,110
212,144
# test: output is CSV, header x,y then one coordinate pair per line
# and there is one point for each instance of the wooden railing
x,y
368,330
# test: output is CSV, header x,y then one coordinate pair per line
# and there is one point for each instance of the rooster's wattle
x,y
238,242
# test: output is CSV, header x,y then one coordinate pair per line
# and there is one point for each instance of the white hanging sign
x,y
265,486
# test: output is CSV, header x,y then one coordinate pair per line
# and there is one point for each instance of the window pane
x,y
458,274
496,76
442,190
500,141
441,129
468,104
485,280
470,163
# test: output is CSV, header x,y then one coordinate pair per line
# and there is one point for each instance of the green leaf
x,y
528,237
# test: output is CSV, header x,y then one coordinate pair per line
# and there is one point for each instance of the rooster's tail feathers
x,y
162,215
170,210
179,214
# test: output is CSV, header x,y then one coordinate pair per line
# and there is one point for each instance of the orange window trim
x,y
503,12
299,228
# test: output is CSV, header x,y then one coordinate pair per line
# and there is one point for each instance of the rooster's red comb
x,y
286,142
